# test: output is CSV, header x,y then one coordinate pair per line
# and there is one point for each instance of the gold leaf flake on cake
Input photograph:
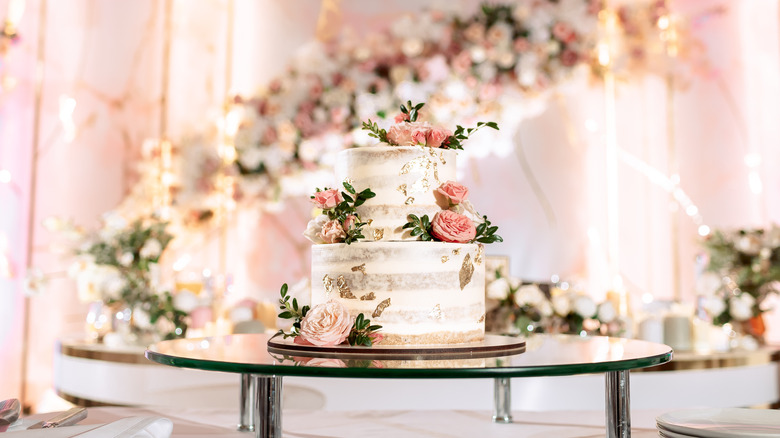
x,y
361,268
456,251
441,157
444,259
327,282
379,233
349,181
344,291
482,318
466,271
418,163
409,201
369,222
368,297
478,257
436,313
381,308
402,189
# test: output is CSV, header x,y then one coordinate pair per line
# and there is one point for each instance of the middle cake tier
x,y
419,292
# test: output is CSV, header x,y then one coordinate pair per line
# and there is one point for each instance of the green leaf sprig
x,y
420,226
361,331
461,134
375,131
411,111
487,233
290,310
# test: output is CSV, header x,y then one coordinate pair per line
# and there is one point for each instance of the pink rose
x,y
401,117
452,227
326,324
327,199
350,222
400,134
437,137
332,232
420,132
455,193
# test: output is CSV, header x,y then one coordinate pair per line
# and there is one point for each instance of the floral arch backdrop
x,y
504,63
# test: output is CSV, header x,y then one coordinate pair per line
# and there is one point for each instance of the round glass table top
x,y
545,355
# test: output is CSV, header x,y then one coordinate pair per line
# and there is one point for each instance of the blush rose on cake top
x,y
401,244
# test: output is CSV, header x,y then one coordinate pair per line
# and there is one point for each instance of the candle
x,y
651,329
677,332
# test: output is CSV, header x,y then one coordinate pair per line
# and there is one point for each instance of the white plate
x,y
723,423
666,433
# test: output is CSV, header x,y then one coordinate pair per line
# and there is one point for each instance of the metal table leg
x,y
618,407
502,398
248,394
268,406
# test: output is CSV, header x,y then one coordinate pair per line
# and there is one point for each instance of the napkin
x,y
130,427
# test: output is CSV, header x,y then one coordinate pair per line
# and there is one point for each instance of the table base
x,y
261,404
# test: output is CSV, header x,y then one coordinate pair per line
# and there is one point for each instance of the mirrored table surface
x,y
544,355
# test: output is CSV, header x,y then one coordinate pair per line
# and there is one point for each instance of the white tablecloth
x,y
395,423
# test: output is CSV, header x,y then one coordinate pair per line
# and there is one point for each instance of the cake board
x,y
491,346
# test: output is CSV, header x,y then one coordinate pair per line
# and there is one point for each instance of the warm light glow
x,y
752,160
603,54
67,106
663,22
754,180
182,262
5,176
15,12
233,121
704,230
647,298
591,125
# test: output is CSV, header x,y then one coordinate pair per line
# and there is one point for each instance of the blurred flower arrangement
x,y
518,308
465,66
118,265
748,263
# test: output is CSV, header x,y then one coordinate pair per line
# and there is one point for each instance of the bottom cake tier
x,y
419,292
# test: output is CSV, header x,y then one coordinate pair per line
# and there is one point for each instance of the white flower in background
x,y
741,307
708,283
114,224
314,227
500,34
561,304
498,289
251,157
141,318
584,306
155,274
606,312
152,249
185,300
126,259
749,245
35,282
80,264
713,305
545,308
113,285
529,295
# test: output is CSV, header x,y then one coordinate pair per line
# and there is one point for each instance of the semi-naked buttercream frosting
x,y
419,292
404,179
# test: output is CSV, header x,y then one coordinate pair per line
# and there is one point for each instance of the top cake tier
x,y
404,179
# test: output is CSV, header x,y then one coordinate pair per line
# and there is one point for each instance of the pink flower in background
x,y
452,227
569,58
564,32
401,117
454,192
376,338
326,199
332,232
437,136
326,324
400,134
522,45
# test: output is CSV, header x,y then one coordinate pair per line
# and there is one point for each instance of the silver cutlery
x,y
9,413
67,418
